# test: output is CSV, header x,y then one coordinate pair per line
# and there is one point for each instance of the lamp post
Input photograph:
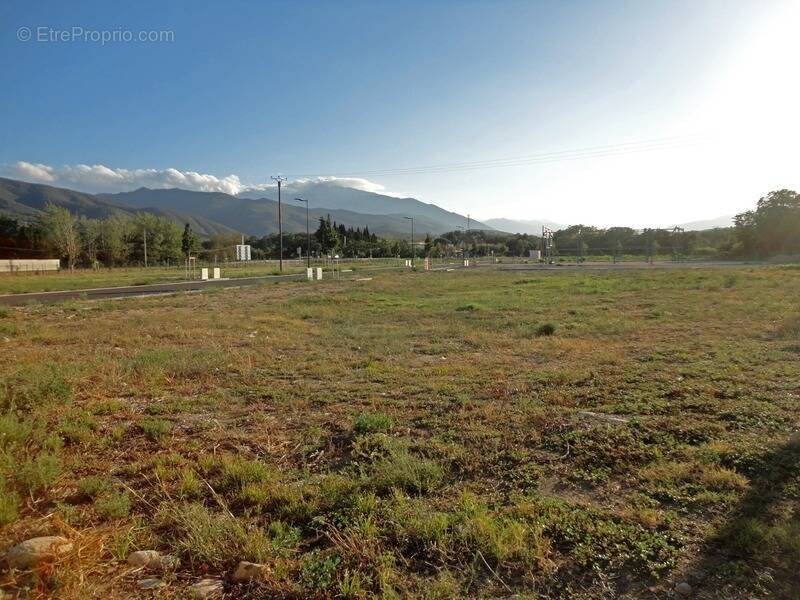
x,y
308,235
413,253
280,180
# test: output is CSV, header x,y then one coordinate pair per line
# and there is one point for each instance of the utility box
x,y
217,274
535,254
204,274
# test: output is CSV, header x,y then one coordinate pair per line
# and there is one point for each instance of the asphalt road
x,y
141,290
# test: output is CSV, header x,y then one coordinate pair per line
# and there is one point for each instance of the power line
x,y
540,158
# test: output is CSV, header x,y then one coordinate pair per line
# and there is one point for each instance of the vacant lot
x,y
436,435
20,283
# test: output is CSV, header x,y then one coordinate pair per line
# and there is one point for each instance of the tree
x,y
327,236
773,227
428,244
188,241
61,230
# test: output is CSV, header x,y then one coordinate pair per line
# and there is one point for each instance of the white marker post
x,y
319,273
204,274
217,274
310,274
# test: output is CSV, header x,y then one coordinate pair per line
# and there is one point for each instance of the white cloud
x,y
30,171
100,178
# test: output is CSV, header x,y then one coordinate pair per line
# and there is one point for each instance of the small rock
x,y
150,584
205,589
169,562
153,560
247,571
37,550
683,589
144,558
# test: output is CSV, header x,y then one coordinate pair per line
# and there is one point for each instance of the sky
x,y
605,113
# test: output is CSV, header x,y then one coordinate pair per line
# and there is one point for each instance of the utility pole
x,y
467,223
413,253
280,180
144,232
308,235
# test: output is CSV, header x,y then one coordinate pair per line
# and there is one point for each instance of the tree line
x,y
119,240
772,228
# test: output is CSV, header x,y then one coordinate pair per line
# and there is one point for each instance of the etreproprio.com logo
x,y
52,35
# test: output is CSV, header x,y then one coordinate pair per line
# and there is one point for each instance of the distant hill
x,y
329,196
19,199
531,227
725,221
259,216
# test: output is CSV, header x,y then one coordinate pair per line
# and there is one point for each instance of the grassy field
x,y
419,435
19,283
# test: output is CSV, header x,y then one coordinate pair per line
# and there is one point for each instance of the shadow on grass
x,y
757,551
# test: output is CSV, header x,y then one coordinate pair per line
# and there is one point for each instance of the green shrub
x,y
372,423
113,506
33,387
217,539
93,486
155,429
403,470
9,505
38,473
468,308
318,570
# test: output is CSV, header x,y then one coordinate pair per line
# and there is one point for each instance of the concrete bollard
x,y
204,274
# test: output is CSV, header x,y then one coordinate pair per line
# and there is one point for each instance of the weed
x,y
155,430
113,506
318,570
202,536
93,486
372,423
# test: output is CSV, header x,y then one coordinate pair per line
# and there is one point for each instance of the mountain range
x,y
24,200
255,213
531,227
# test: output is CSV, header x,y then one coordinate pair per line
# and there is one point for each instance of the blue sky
x,y
363,89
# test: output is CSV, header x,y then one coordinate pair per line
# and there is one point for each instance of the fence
x,y
29,265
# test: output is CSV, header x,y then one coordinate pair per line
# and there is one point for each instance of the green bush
x,y
113,506
372,423
318,570
154,429
93,486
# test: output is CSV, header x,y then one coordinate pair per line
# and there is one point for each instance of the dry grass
x,y
378,438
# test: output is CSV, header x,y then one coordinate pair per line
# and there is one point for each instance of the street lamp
x,y
280,180
308,235
413,253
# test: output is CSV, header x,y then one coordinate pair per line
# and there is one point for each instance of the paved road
x,y
141,290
